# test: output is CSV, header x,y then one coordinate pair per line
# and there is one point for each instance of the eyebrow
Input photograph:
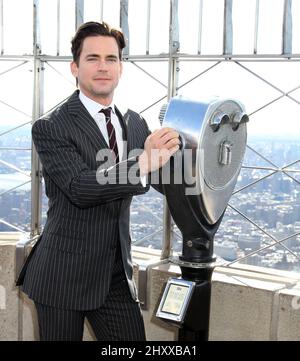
x,y
110,56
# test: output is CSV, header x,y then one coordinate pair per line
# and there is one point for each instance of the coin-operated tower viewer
x,y
213,135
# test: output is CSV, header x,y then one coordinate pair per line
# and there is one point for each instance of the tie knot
x,y
106,112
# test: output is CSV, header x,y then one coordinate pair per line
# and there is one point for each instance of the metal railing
x,y
173,57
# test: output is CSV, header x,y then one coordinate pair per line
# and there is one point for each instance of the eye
x,y
92,58
111,60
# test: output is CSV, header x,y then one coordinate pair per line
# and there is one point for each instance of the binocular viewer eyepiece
x,y
213,137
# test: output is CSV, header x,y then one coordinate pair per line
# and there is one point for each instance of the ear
x,y
74,69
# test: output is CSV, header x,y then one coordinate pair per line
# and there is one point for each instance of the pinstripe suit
x,y
72,264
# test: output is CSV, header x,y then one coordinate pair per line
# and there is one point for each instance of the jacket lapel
x,y
85,122
124,124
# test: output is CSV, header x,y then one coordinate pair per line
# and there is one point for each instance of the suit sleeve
x,y
66,168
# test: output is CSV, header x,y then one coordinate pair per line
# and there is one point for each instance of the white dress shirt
x,y
94,108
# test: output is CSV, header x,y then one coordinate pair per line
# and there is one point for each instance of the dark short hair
x,y
93,28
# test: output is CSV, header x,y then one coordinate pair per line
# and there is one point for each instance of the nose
x,y
101,65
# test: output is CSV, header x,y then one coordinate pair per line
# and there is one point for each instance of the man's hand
x,y
159,147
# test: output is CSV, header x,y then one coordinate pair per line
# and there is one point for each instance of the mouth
x,y
102,79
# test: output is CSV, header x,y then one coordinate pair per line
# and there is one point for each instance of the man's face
x,y
99,68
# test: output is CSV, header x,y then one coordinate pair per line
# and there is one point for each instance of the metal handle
x,y
218,119
238,119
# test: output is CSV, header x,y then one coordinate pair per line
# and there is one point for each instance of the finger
x,y
167,141
173,150
171,143
169,136
160,141
161,132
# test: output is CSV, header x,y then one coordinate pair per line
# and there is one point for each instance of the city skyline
x,y
274,204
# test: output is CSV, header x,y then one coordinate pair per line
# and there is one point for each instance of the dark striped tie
x,y
111,133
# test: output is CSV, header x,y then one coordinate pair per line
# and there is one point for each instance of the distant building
x,y
226,250
247,242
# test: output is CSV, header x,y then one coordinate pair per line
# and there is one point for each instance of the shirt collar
x,y
93,107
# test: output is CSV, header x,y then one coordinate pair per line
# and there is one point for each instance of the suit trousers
x,y
118,319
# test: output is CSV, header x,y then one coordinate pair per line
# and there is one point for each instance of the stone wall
x,y
248,303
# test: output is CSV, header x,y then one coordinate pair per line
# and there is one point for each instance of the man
x,y
81,266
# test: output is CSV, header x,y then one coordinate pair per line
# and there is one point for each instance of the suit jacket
x,y
71,264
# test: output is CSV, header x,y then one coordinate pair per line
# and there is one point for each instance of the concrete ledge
x,y
288,323
9,301
248,303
